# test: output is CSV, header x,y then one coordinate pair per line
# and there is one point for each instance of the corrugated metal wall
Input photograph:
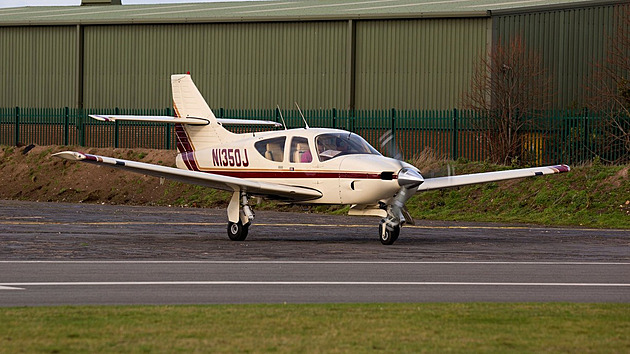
x,y
569,41
244,65
38,66
403,64
410,64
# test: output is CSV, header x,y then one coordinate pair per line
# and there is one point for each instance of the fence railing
x,y
556,137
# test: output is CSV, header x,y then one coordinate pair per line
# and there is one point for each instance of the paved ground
x,y
100,254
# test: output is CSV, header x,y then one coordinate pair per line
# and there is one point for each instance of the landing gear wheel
x,y
389,236
237,231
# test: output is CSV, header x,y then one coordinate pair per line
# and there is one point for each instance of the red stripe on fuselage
x,y
297,174
183,142
185,148
189,160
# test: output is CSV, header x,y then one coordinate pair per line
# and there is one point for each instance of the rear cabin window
x,y
300,151
271,149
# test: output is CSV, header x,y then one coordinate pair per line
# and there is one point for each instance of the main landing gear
x,y
237,231
240,216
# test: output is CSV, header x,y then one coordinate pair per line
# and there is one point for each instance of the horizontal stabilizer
x,y
187,120
228,121
150,119
462,180
270,190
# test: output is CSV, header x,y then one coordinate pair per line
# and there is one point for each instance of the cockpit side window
x,y
271,149
338,144
300,151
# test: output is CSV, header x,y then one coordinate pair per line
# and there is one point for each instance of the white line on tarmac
x,y
388,283
311,262
10,288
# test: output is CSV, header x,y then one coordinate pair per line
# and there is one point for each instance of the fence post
x,y
116,130
81,126
167,135
17,126
66,126
334,117
221,113
586,143
454,136
394,123
351,120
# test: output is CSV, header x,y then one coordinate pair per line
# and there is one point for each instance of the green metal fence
x,y
555,137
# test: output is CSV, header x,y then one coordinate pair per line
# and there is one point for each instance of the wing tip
x,y
561,168
99,117
70,155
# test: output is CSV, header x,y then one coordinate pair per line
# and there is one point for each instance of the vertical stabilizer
x,y
188,102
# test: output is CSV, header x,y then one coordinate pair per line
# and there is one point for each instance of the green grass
x,y
475,327
593,196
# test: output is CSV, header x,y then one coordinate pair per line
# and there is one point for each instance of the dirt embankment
x,y
31,173
587,196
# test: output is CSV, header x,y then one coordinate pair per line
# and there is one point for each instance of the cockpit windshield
x,y
338,144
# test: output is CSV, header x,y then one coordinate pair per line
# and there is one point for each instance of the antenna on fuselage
x,y
302,114
281,117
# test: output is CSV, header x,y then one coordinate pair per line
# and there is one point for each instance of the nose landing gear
x,y
388,231
397,215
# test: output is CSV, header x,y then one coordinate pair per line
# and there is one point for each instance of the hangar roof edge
x,y
279,11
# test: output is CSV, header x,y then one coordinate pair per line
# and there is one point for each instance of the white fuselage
x,y
299,157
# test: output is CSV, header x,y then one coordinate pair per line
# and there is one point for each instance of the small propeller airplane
x,y
302,166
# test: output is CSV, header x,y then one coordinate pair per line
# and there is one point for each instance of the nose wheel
x,y
388,233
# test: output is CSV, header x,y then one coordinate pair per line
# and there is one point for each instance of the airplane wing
x,y
227,183
462,180
187,120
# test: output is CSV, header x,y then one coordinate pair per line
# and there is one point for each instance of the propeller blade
x,y
389,147
408,219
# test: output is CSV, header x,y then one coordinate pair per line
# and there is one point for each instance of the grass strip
x,y
478,327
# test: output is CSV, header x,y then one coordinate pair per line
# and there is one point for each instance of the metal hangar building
x,y
372,54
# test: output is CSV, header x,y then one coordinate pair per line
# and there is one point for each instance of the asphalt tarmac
x,y
71,254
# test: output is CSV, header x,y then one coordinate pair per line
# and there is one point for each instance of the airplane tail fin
x,y
188,102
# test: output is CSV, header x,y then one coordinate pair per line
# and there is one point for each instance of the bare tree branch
x,y
509,88
608,92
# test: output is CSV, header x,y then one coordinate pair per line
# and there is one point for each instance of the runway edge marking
x,y
10,288
307,262
389,283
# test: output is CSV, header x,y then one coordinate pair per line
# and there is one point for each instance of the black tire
x,y
237,231
389,236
